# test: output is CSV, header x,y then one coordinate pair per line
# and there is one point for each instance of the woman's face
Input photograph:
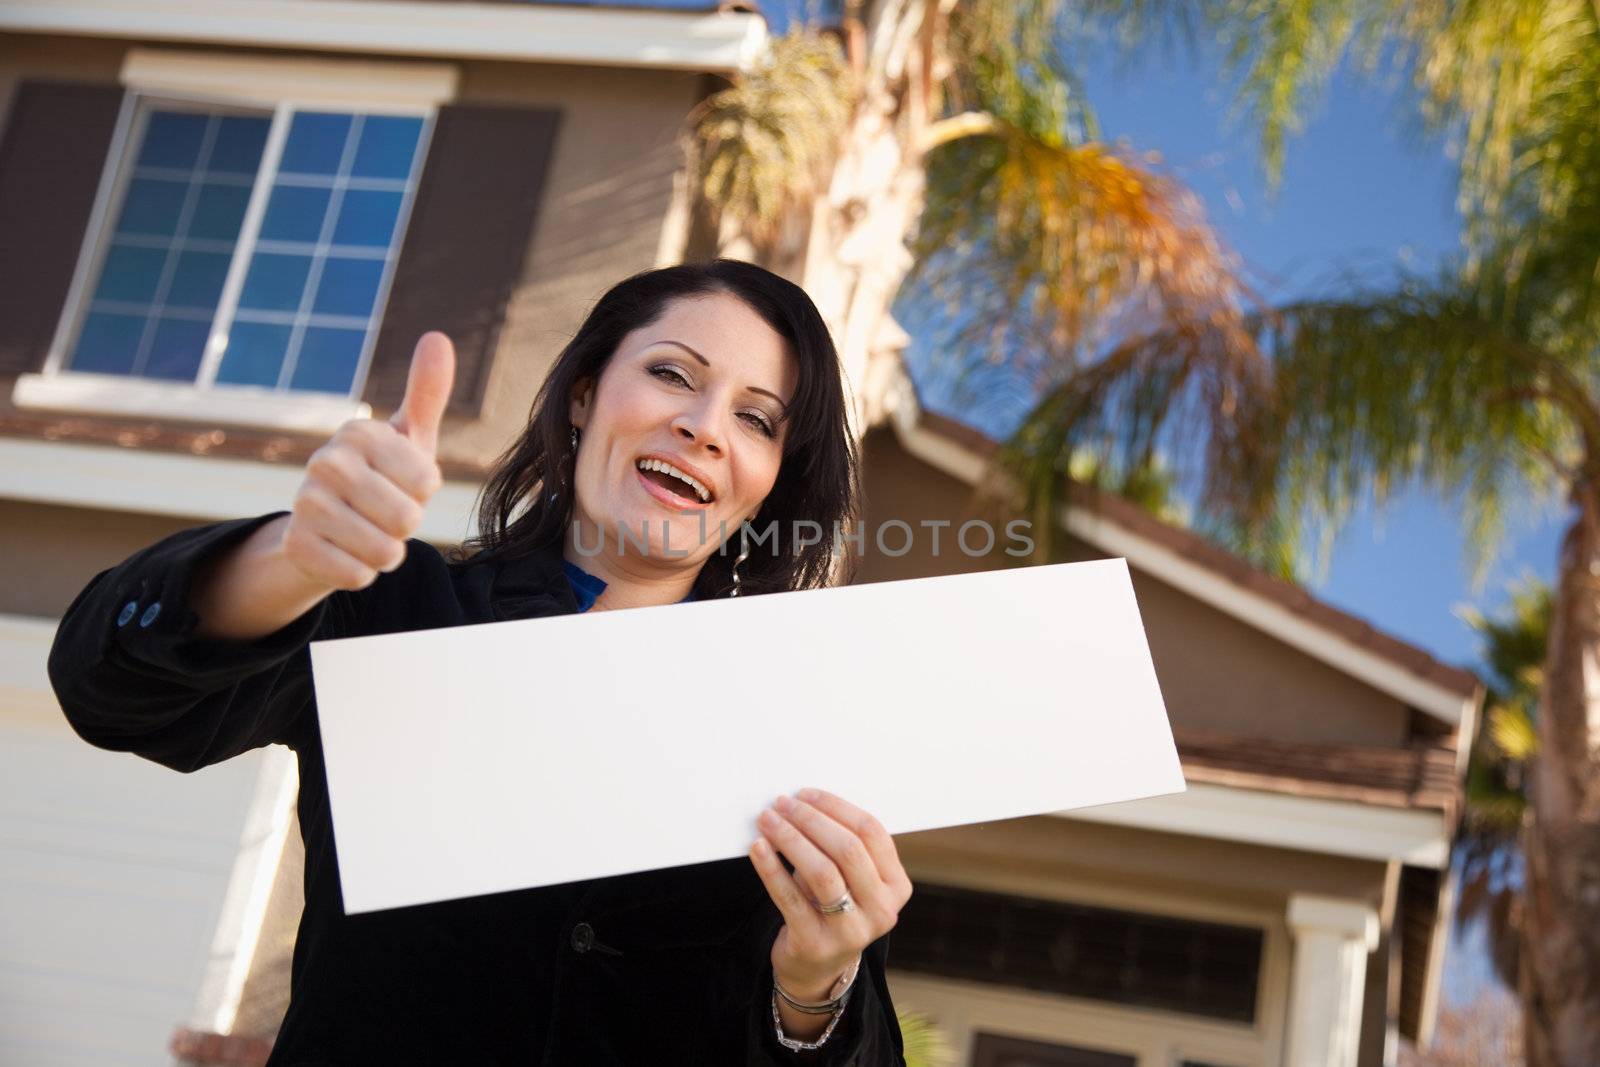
x,y
702,391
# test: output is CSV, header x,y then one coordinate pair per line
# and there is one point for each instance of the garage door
x,y
113,872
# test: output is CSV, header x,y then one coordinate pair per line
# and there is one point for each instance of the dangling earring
x,y
574,438
744,553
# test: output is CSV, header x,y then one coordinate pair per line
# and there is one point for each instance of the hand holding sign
x,y
365,490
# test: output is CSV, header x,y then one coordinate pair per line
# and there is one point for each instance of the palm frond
x,y
765,145
925,1044
1064,245
1322,402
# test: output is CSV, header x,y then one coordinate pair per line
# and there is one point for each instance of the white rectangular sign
x,y
498,756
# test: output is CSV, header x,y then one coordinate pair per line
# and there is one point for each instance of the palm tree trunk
x,y
1561,912
848,249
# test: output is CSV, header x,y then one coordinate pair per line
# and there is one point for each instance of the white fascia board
x,y
1306,824
1199,582
205,488
717,42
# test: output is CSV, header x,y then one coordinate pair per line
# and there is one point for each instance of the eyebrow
x,y
707,362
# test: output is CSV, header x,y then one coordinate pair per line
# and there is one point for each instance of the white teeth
x,y
666,468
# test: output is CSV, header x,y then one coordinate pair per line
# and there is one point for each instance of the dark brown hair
x,y
526,504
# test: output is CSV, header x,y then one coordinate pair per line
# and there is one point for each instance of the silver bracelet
x,y
835,1005
836,994
794,1044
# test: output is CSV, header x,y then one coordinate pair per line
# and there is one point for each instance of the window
x,y
1199,968
249,225
194,286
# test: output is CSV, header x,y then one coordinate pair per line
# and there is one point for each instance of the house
x,y
221,231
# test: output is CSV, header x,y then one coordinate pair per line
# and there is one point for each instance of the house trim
x,y
722,42
270,79
114,394
204,488
237,937
1308,824
1195,580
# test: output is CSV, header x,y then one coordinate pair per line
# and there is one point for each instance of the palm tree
x,y
1482,380
1488,842
944,142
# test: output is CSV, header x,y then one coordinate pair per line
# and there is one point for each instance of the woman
x,y
697,396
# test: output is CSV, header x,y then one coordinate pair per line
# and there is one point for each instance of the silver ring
x,y
844,903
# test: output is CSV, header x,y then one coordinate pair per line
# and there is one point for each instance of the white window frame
x,y
279,84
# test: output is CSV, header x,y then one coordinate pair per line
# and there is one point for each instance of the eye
x,y
670,373
759,421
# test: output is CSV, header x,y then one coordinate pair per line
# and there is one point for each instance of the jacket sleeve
x,y
131,676
867,1034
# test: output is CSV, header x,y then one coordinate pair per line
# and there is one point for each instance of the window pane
x,y
172,139
367,217
275,282
348,286
238,145
152,207
218,211
255,354
197,282
295,213
316,143
176,350
387,144
130,274
342,183
108,344
327,360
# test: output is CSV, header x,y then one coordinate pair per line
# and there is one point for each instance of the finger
x,y
820,873
407,466
336,521
382,503
880,845
433,371
847,852
792,903
346,473
327,562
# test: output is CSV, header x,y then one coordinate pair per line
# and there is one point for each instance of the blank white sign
x,y
477,759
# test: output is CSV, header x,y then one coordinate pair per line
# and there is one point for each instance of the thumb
x,y
433,371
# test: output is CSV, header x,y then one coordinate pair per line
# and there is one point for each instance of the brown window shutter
x,y
52,155
468,235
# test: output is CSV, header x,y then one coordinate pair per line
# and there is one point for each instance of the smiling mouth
x,y
672,482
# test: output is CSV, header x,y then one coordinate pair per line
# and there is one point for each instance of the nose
x,y
700,426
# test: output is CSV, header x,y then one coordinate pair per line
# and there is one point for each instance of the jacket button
x,y
582,937
150,614
129,610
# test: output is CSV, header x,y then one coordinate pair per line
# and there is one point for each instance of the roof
x,y
1422,776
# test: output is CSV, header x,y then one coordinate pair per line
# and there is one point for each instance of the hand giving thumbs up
x,y
365,490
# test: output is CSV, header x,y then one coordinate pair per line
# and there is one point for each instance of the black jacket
x,y
664,967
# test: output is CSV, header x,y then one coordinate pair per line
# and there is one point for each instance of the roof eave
x,y
719,42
